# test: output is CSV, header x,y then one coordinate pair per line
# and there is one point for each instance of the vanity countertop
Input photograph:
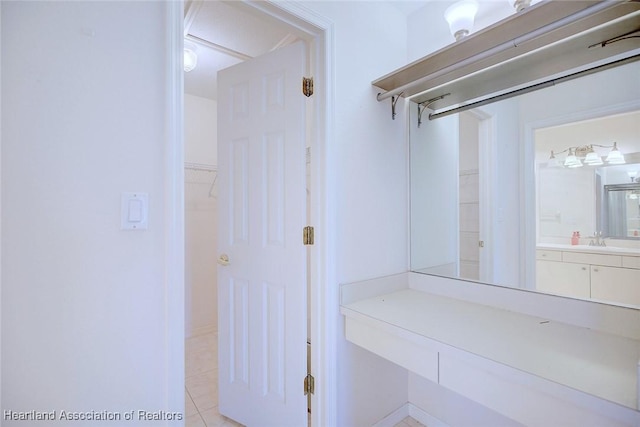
x,y
603,250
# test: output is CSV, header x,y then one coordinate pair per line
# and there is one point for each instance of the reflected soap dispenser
x,y
575,239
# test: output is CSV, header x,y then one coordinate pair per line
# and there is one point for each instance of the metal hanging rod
x,y
200,167
497,49
534,87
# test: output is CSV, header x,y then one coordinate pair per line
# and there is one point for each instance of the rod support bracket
x,y
426,104
394,101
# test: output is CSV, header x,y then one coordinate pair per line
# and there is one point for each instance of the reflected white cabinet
x,y
563,278
605,277
615,284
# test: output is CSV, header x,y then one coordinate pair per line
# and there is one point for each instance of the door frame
x,y
323,287
487,144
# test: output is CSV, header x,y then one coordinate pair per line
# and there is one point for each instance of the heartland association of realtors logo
x,y
62,415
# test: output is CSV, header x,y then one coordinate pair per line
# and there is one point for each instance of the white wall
x,y
200,130
452,408
368,167
84,304
434,195
201,295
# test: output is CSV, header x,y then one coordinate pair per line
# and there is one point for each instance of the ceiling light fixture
x,y
190,57
460,17
519,5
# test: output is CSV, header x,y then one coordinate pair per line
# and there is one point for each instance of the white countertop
x,y
605,250
601,364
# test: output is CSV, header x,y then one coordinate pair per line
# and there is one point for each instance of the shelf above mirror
x,y
548,40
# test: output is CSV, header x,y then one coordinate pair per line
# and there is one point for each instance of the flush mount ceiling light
x,y
519,5
460,17
190,57
586,155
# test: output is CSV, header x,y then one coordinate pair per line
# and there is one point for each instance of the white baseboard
x,y
410,410
395,417
424,418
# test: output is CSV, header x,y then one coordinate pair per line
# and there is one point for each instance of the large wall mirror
x,y
500,193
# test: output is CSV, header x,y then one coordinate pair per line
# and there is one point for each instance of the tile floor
x,y
201,378
201,388
409,422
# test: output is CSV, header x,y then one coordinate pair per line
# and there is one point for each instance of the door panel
x,y
262,198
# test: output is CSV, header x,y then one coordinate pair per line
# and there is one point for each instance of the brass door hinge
x,y
307,86
309,384
307,235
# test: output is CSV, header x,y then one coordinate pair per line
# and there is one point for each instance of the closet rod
x,y
200,167
534,87
498,49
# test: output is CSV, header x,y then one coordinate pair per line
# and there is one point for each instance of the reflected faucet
x,y
599,240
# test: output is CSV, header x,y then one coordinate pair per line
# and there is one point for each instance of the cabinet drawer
x,y
631,262
549,255
594,259
504,390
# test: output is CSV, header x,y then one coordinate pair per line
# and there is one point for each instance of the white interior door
x,y
262,197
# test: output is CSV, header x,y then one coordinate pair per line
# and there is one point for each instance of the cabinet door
x,y
621,285
561,278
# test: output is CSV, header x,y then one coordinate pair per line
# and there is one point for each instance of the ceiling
x,y
224,34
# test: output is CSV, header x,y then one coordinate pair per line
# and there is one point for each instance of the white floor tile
x,y
412,422
189,407
213,418
194,421
201,355
201,383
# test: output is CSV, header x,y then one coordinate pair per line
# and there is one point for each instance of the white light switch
x,y
134,211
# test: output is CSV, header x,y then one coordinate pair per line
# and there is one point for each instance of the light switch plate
x,y
134,211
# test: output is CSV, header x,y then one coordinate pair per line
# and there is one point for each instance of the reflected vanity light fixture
x,y
572,160
190,57
460,17
615,157
585,155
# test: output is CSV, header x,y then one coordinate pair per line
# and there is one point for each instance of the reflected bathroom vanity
x,y
501,305
588,215
606,274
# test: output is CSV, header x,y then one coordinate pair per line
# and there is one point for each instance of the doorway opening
x,y
202,21
475,195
